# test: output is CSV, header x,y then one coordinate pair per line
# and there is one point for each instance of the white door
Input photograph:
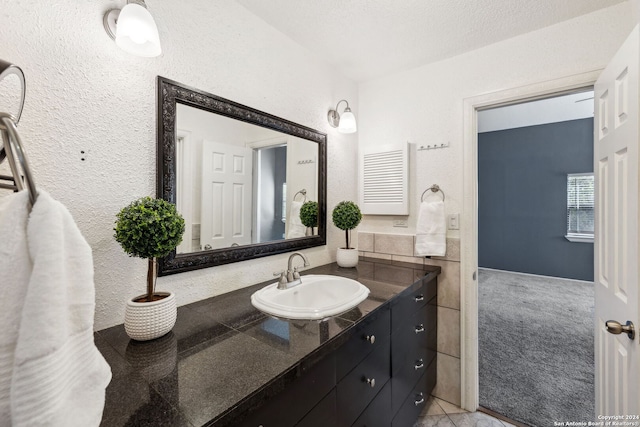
x,y
226,195
616,243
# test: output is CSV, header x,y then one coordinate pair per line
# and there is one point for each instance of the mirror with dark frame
x,y
238,176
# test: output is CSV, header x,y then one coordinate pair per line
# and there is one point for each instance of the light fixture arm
x,y
345,101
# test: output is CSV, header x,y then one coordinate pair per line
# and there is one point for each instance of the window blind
x,y
580,204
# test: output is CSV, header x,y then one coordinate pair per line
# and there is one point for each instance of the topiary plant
x,y
309,214
149,228
346,216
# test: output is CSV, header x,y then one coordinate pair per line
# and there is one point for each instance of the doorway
x,y
270,184
535,258
535,248
469,230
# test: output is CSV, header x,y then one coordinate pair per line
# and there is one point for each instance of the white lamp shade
x,y
347,123
136,31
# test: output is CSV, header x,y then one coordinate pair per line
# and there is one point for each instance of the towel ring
x,y
434,188
13,145
304,195
6,69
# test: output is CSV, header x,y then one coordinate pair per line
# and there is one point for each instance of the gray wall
x,y
522,189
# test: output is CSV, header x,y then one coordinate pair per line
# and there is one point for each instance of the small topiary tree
x,y
346,216
149,228
309,214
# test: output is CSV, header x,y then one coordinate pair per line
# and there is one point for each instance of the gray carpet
x,y
536,348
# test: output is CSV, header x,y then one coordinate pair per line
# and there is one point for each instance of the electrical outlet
x,y
453,221
400,223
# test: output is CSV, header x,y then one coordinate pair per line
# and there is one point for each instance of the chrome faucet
x,y
291,277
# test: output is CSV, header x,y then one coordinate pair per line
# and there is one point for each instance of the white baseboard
x,y
534,275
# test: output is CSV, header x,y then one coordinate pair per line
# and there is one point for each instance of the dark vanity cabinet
x,y
381,376
413,352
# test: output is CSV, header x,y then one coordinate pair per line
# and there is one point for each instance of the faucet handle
x,y
282,282
296,275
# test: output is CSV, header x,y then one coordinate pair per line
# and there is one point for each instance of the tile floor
x,y
438,413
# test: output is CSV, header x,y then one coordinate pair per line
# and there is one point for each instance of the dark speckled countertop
x,y
223,356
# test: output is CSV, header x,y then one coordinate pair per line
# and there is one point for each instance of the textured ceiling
x,y
366,39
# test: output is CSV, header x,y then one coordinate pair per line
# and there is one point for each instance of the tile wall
x,y
400,247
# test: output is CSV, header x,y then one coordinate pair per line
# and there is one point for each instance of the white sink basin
x,y
317,297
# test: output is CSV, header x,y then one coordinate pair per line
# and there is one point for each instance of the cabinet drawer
x,y
323,415
414,403
367,337
362,384
404,306
409,337
298,398
378,413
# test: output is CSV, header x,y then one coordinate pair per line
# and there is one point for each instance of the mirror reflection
x,y
238,183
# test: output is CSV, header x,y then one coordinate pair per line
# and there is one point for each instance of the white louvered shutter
x,y
384,186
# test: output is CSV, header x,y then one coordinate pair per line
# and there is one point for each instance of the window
x,y
580,207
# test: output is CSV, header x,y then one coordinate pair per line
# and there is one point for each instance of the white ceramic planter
x,y
145,321
347,257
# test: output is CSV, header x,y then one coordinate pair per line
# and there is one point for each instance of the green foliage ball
x,y
149,228
346,215
309,214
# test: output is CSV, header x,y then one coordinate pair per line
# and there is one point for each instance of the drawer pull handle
x,y
419,298
420,400
419,328
371,382
371,338
419,365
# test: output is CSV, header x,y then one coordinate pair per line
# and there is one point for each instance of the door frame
x,y
469,367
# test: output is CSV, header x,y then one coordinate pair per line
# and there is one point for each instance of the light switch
x,y
453,222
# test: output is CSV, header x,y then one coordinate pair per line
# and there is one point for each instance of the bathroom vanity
x,y
227,364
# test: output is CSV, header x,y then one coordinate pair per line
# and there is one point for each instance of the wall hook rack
x,y
433,146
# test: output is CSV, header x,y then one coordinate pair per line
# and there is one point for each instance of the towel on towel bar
x,y
431,230
15,270
59,377
296,228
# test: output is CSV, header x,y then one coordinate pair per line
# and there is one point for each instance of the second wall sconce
x,y
134,29
346,123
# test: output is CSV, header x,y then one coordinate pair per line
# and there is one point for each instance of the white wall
x,y
549,110
424,105
84,93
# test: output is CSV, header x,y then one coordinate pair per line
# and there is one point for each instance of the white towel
x,y
296,228
15,270
59,377
431,230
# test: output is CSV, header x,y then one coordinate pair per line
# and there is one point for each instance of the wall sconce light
x,y
133,29
346,123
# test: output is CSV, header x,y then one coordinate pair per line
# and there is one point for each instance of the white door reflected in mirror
x,y
236,181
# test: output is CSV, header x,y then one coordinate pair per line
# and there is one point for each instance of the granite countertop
x,y
224,356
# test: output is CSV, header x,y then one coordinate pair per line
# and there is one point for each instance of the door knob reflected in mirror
x,y
614,327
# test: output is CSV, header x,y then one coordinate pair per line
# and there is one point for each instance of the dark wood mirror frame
x,y
169,94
